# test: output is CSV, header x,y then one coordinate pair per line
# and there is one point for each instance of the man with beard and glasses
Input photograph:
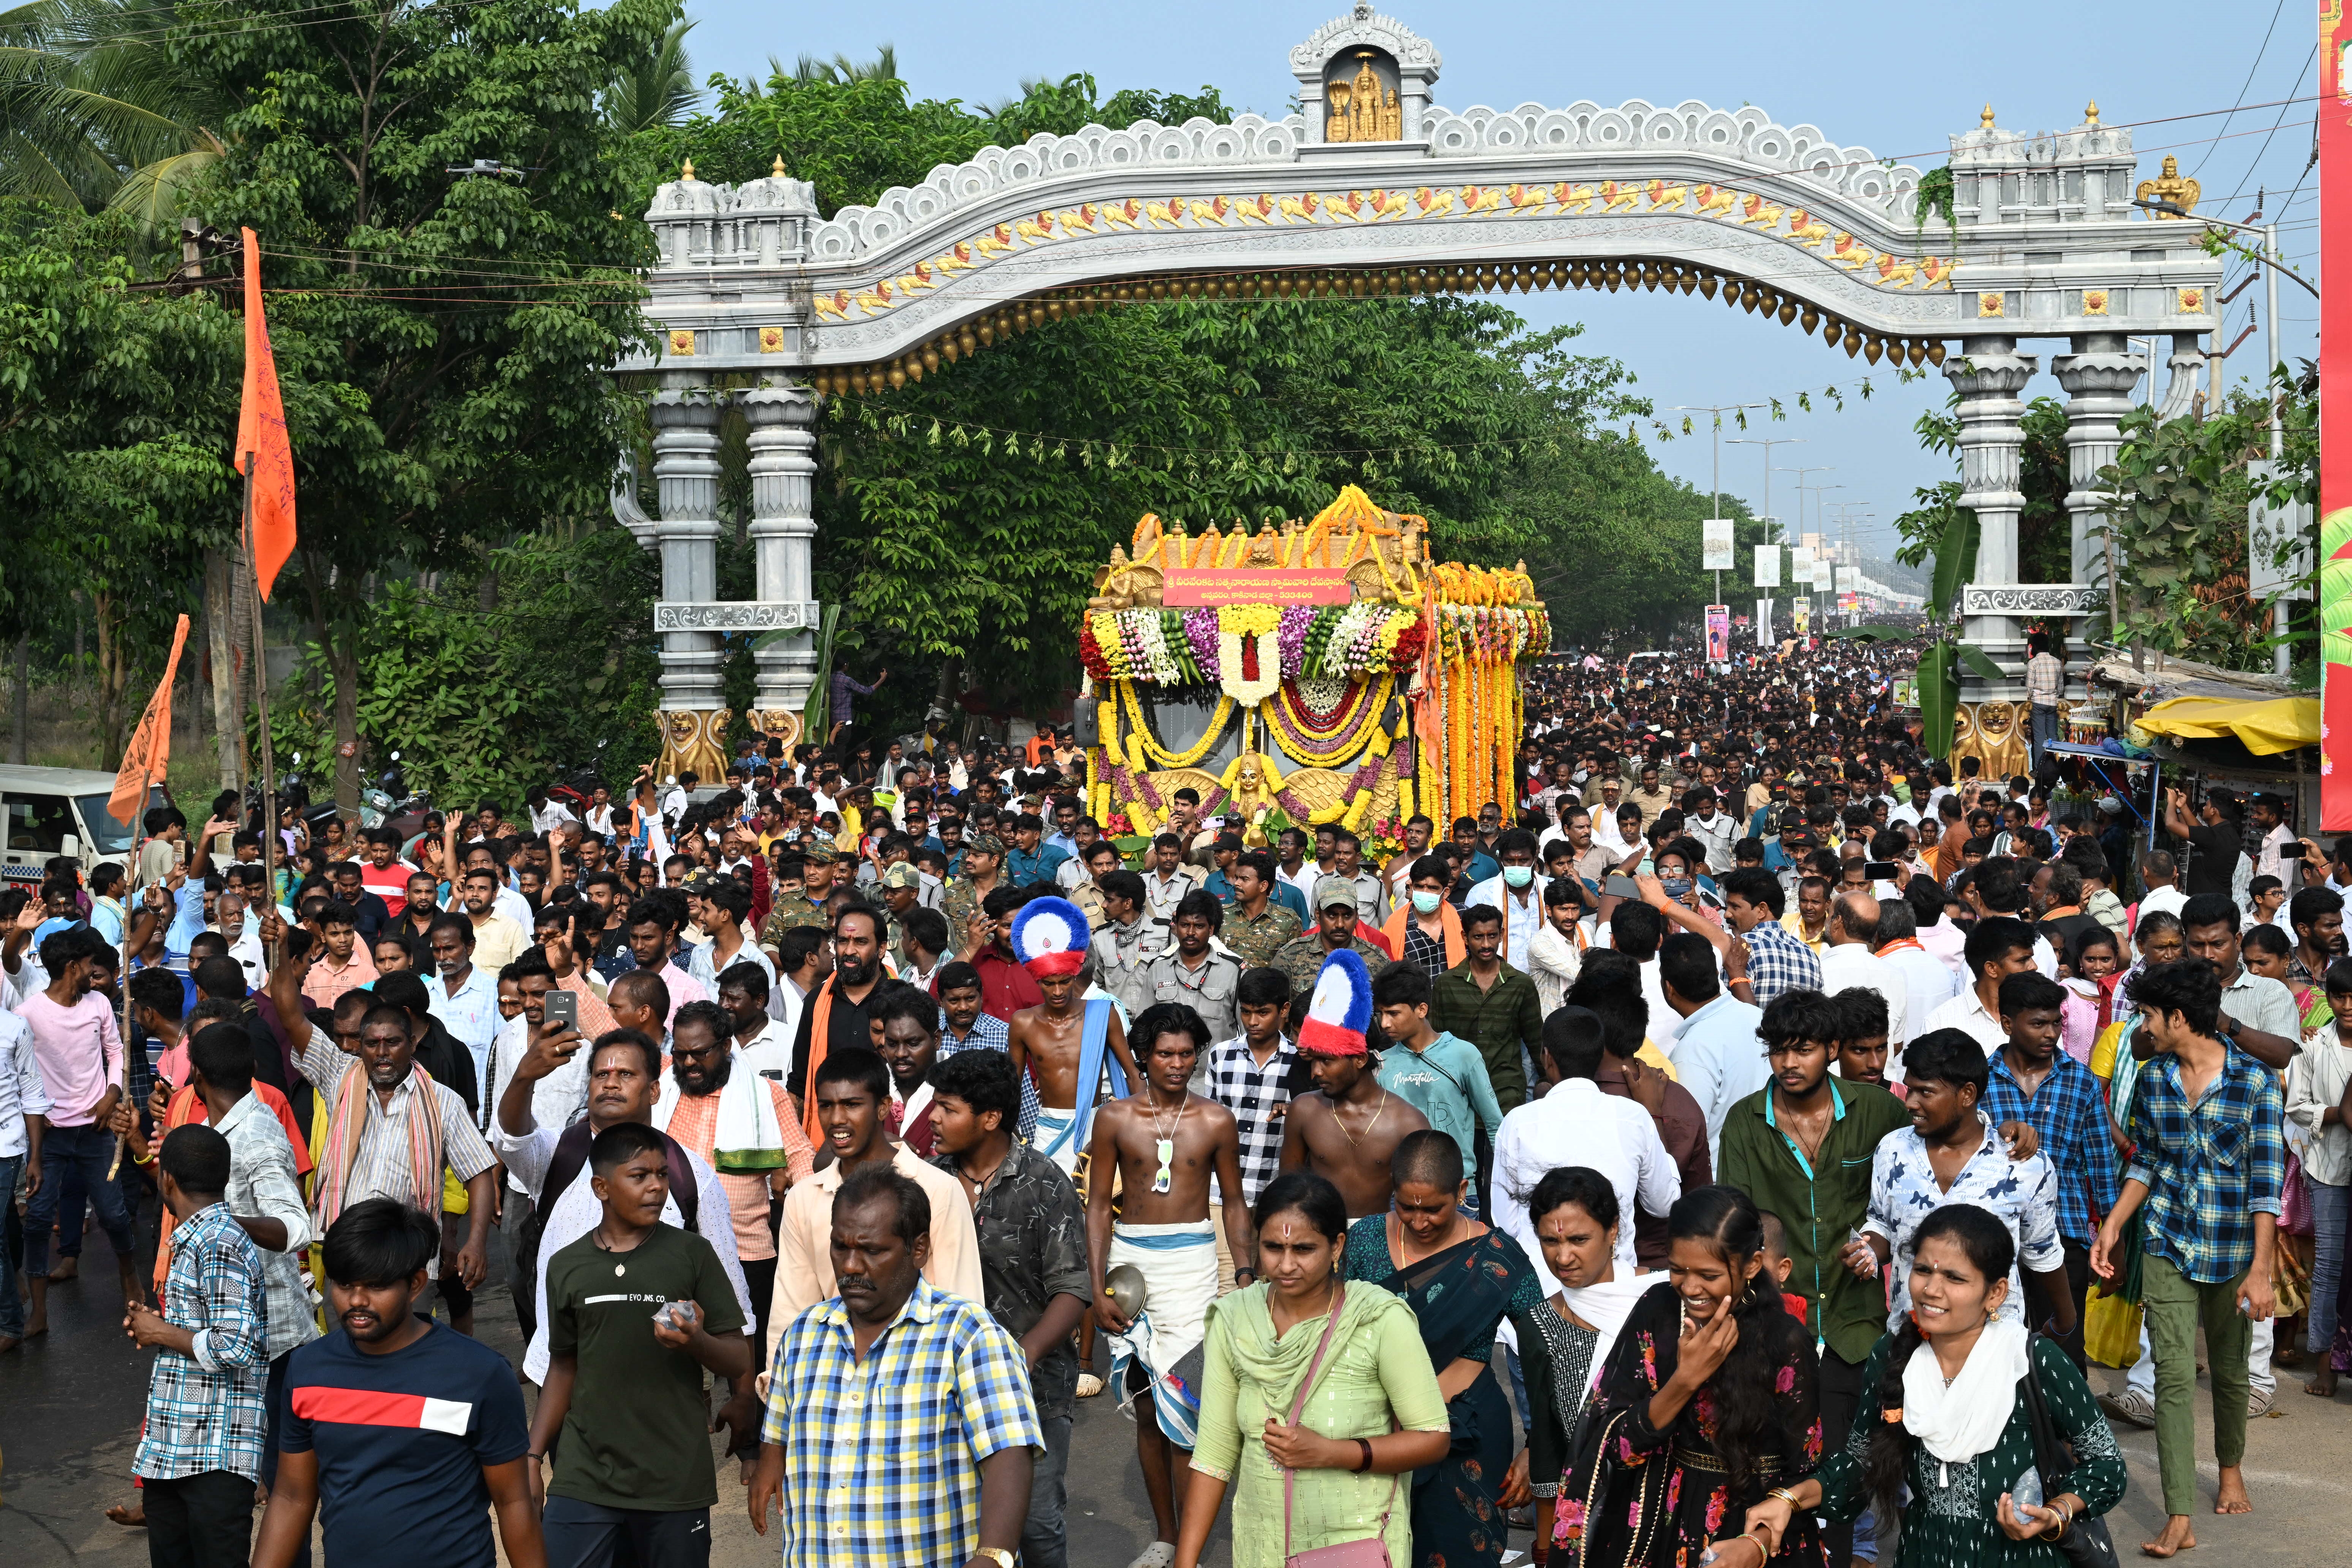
x,y
837,1014
624,1078
408,1433
741,1125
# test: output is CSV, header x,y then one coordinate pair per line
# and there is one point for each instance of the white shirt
x,y
548,818
1719,1058
600,820
1520,920
575,1211
1576,1124
1967,1013
770,1050
21,1094
1717,833
471,1016
1927,985
2166,901
1847,965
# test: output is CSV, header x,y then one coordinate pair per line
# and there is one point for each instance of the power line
x,y
2275,13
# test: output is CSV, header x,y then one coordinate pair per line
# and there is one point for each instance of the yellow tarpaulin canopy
x,y
2266,724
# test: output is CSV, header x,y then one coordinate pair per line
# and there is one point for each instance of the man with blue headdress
x,y
1072,1047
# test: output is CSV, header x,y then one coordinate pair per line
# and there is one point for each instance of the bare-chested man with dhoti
x,y
1349,1125
1073,1050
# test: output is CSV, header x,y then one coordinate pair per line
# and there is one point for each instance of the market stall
x,y
1323,671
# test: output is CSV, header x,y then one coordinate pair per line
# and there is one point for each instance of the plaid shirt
x,y
1778,961
2042,675
882,1454
2209,1168
989,1033
205,1411
1254,1094
2069,1114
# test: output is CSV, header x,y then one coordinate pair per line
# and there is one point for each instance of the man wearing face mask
x,y
1712,826
1518,891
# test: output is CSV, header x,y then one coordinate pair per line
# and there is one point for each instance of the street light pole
x,y
2274,263
1715,505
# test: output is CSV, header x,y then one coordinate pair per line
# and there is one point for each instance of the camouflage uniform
x,y
1255,942
1301,958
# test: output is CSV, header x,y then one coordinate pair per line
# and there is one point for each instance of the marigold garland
x,y
1140,743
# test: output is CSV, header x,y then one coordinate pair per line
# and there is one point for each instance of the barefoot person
x,y
1348,1127
1165,1143
2207,1227
1064,1043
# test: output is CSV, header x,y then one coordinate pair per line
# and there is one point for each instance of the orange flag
x,y
261,436
150,751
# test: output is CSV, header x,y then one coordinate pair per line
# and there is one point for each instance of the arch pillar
x,y
1989,373
782,417
2098,377
685,415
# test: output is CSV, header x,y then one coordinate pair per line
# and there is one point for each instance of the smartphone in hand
x,y
562,1010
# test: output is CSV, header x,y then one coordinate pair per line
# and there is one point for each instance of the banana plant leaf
x,y
1868,634
1980,663
1956,561
1940,696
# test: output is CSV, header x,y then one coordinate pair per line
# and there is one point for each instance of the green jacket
x,y
1820,1206
1498,1021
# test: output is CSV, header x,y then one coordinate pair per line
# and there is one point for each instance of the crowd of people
x,y
1798,1115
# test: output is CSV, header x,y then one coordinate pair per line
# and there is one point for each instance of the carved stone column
x,y
2098,377
1989,373
685,474
783,529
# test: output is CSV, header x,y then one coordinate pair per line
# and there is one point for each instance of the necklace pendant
x,y
1164,1178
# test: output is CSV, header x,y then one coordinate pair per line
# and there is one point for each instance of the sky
x,y
1899,80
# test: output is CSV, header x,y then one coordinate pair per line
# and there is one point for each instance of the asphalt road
x,y
70,1403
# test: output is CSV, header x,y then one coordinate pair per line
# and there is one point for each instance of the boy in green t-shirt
x,y
638,1311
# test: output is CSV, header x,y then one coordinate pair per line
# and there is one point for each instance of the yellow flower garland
x,y
1141,745
1370,734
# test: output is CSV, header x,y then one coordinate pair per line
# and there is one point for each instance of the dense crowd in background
x,y
1799,1117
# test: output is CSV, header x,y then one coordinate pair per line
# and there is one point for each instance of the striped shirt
x,y
989,1033
882,1453
382,1168
204,1409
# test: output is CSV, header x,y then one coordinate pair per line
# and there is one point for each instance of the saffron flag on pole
x,y
261,436
149,754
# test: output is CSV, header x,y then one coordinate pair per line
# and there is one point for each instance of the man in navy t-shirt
x,y
403,1432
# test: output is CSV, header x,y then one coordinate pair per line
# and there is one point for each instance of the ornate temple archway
x,y
1372,188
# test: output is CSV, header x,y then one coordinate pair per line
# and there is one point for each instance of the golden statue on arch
x,y
2170,187
1360,109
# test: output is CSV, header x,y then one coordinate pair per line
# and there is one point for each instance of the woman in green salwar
x,y
1944,1414
1373,1413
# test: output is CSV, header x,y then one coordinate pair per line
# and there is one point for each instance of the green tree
x,y
116,408
655,91
444,340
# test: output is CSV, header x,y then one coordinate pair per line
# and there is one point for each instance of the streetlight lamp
x,y
1716,506
2273,265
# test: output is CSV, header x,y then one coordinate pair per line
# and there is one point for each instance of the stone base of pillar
x,y
694,740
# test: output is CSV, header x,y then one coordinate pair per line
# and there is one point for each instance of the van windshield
x,y
111,835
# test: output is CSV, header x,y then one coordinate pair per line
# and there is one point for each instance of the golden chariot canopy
x,y
1307,664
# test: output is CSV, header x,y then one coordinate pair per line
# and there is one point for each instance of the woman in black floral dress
x,y
1709,1400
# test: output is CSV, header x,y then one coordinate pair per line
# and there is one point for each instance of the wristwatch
x,y
996,1554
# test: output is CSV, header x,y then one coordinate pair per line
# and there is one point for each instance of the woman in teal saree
x,y
1460,1280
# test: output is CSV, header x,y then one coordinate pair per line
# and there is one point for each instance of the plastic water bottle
x,y
2026,1491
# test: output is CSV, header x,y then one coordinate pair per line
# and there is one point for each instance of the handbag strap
x,y
2048,1456
1298,1404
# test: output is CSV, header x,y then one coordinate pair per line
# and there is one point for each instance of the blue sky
x,y
1897,79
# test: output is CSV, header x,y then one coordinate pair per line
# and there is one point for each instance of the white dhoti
x,y
1179,1263
1056,1138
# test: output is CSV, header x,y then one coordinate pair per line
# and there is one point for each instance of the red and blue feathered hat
x,y
1050,936
1340,1013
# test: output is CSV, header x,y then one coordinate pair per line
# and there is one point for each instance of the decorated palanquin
x,y
1318,672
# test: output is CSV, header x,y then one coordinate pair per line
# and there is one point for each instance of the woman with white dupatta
x,y
1946,1413
1566,1340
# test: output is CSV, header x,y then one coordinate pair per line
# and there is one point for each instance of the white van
x,y
49,812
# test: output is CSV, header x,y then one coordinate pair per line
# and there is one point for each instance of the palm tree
x,y
656,91
96,112
883,66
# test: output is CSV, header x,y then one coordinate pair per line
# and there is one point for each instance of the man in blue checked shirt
x,y
900,1429
2032,1080
200,1452
2204,1184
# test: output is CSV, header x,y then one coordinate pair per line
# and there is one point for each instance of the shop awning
x,y
2263,725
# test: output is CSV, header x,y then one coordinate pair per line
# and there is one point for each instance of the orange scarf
x,y
1448,916
820,1040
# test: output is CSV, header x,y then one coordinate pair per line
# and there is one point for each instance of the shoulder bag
x,y
2087,1542
1372,1551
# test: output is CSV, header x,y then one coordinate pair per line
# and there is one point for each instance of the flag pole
x,y
270,842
